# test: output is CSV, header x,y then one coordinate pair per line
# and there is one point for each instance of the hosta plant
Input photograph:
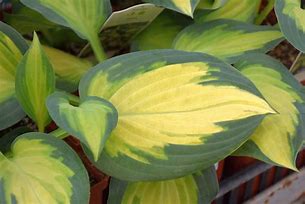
x,y
196,87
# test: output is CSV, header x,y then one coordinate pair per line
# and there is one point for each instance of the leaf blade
x,y
186,7
53,158
35,80
226,39
158,133
91,122
201,188
279,138
291,20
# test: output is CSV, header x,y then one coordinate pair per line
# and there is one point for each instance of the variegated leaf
x,y
42,169
245,10
291,18
279,137
10,55
68,68
198,188
35,80
186,7
91,122
161,33
211,4
227,39
84,17
179,112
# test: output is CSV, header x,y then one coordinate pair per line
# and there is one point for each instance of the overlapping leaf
x,y
245,11
26,20
227,39
279,137
198,188
178,112
291,18
42,169
161,33
211,4
183,6
68,68
35,81
10,55
84,17
91,122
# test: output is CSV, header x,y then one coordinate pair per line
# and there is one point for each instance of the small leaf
x,y
183,6
35,80
227,39
84,17
161,33
91,122
211,4
279,137
291,18
42,169
198,188
179,112
244,10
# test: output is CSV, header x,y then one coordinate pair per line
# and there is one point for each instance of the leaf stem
x,y
97,48
263,15
59,133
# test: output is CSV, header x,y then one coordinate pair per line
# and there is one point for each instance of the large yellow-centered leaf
x,y
245,10
291,18
183,6
227,39
12,48
179,112
35,81
279,137
42,169
85,17
198,188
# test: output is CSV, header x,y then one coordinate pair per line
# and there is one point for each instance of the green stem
x,y
263,15
40,127
59,133
97,48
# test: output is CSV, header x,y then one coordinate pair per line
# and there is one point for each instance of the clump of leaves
x,y
156,120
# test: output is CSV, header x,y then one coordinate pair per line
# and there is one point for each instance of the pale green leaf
x,y
227,39
35,80
245,10
198,188
179,112
42,169
91,122
211,4
84,17
68,68
279,137
161,33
